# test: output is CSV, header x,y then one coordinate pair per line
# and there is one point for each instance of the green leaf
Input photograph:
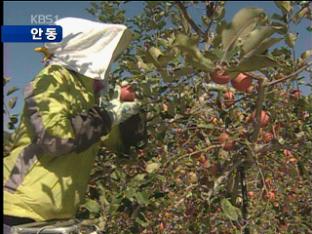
x,y
233,52
142,65
152,167
229,210
155,52
142,198
285,6
263,46
306,54
137,180
185,24
206,126
193,55
152,54
12,102
278,17
205,64
290,39
300,14
118,175
166,77
187,44
165,59
92,206
141,219
10,126
115,204
242,24
219,12
163,42
6,80
139,177
103,200
205,20
183,71
281,28
254,63
130,193
11,90
218,37
255,38
13,119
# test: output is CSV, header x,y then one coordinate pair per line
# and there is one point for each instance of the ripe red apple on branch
x,y
295,94
242,82
251,194
267,137
220,76
226,141
229,99
264,118
127,94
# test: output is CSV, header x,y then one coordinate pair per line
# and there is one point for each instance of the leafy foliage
x,y
183,181
11,119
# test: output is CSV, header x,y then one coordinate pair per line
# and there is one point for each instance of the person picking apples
x,y
123,104
46,174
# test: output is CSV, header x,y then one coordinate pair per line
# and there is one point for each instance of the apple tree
x,y
229,140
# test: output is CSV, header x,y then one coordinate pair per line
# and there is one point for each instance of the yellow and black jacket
x,y
47,170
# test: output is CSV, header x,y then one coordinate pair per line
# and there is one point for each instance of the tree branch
x,y
254,76
260,99
198,151
291,75
243,182
209,14
189,19
219,181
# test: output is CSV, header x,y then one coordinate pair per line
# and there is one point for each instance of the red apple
x,y
223,137
287,153
165,107
220,76
161,226
229,98
202,158
242,82
250,89
290,158
205,164
267,137
213,170
295,94
270,195
264,118
251,194
140,152
127,94
227,143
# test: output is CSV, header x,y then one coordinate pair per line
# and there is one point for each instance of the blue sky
x,y
22,63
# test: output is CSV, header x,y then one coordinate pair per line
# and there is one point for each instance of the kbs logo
x,y
43,19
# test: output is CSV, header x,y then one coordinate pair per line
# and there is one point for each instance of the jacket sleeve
x,y
55,130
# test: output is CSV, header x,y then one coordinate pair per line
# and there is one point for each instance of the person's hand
x,y
120,111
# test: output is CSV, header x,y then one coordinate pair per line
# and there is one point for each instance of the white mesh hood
x,y
89,47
